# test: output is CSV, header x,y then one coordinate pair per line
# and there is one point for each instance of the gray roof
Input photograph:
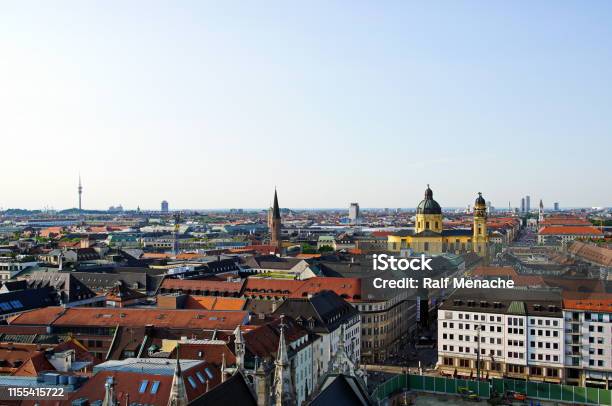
x,y
533,302
326,308
154,366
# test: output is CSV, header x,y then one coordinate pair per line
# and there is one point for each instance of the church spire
x,y
223,367
275,223
239,348
283,389
275,208
109,393
178,394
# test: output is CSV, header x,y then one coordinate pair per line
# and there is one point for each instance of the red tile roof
x,y
570,230
132,317
565,221
505,271
202,285
595,302
348,288
214,303
209,352
528,280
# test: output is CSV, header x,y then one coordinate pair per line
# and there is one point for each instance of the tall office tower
x,y
164,206
354,212
523,205
489,207
541,212
528,203
556,206
80,192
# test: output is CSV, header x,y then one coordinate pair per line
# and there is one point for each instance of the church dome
x,y
429,205
480,201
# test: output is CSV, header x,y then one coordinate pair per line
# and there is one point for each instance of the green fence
x,y
430,384
534,390
554,392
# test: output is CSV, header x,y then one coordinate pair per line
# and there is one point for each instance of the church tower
x,y
480,238
541,212
275,224
429,214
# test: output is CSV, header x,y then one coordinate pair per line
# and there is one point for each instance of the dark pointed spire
x,y
177,371
275,208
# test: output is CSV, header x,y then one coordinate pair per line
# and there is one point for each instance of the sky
x,y
213,104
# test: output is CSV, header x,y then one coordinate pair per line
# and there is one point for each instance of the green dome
x,y
429,205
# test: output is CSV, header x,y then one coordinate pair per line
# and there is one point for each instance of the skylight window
x,y
143,386
191,382
6,306
200,377
16,304
154,387
210,375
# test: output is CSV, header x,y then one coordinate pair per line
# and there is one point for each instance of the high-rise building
x,y
556,206
523,205
354,212
528,203
164,206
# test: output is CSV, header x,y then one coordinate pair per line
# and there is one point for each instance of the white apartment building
x,y
546,345
588,339
517,334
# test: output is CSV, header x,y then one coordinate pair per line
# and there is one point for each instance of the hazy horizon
x,y
212,105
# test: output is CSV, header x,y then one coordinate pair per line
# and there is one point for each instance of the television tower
x,y
80,192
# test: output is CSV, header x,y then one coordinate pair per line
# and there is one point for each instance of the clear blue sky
x,y
211,104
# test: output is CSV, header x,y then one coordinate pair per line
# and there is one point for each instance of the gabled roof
x,y
211,352
341,390
326,309
29,299
69,288
262,341
234,391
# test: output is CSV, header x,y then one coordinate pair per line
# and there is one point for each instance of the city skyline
x,y
555,205
366,103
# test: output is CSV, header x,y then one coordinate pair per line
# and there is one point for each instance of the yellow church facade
x,y
430,237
